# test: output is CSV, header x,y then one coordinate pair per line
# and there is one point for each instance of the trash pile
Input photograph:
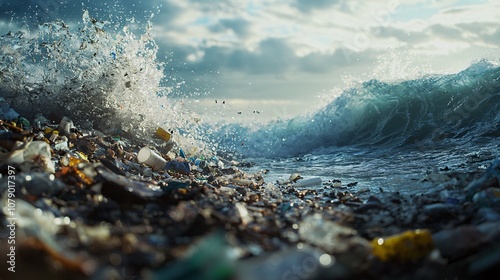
x,y
86,205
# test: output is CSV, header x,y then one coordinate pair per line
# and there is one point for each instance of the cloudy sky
x,y
284,57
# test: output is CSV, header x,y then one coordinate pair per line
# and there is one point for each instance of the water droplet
x,y
325,260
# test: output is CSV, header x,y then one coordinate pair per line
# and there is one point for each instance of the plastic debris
x,y
151,158
163,134
294,177
181,153
182,167
207,260
82,173
242,182
307,182
332,237
23,123
35,151
41,122
167,137
65,126
54,134
61,144
408,246
6,112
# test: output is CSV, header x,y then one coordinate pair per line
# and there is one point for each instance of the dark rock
x,y
459,242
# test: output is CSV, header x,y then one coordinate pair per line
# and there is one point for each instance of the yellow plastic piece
x,y
47,130
163,134
73,163
408,246
82,156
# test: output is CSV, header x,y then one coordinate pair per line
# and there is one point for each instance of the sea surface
x,y
380,135
390,136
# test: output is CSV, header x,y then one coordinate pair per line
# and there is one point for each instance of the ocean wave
x,y
422,112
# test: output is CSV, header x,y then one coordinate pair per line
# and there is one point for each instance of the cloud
x,y
325,63
240,27
486,32
401,35
273,56
310,5
446,32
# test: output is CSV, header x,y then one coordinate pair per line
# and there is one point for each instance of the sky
x,y
272,59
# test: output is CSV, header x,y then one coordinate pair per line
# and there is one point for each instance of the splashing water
x,y
89,74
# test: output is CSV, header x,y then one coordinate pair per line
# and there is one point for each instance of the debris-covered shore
x,y
77,204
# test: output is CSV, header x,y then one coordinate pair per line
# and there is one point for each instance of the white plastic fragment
x,y
308,182
65,126
37,151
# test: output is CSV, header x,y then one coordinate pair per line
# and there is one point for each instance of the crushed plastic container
x,y
62,144
37,151
408,246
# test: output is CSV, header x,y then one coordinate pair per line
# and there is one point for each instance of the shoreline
x,y
98,214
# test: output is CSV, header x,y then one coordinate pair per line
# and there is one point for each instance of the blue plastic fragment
x,y
6,112
182,154
179,166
